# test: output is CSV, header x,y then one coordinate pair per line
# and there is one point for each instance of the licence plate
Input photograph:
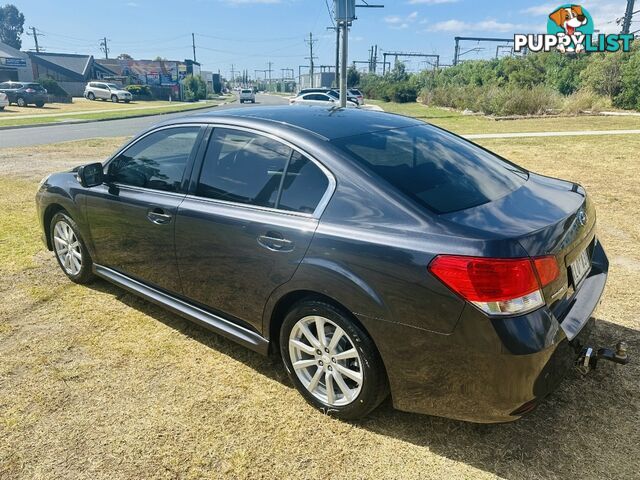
x,y
580,267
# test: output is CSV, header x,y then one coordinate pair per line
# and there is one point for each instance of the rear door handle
x,y
159,216
275,242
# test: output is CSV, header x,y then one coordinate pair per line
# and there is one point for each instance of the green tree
x,y
11,26
603,75
125,56
353,77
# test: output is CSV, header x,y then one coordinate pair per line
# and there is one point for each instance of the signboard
x,y
13,62
345,10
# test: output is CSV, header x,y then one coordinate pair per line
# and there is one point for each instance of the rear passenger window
x,y
304,185
243,167
247,168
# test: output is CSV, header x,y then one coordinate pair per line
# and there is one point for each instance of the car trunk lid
x,y
546,217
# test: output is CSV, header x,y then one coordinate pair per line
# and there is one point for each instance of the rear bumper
x,y
488,371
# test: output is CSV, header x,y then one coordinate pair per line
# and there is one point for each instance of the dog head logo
x,y
574,21
569,18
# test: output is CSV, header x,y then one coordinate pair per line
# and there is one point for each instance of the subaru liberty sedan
x,y
376,254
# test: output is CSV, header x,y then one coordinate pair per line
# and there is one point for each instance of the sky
x,y
247,34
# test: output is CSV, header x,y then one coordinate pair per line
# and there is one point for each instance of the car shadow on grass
x,y
588,428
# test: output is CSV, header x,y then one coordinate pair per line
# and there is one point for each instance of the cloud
x,y
431,2
483,26
397,22
132,4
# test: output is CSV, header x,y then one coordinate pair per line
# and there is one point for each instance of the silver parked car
x,y
106,91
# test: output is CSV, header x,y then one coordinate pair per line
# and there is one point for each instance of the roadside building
x,y
71,71
14,65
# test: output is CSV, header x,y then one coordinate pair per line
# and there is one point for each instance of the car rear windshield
x,y
247,91
436,169
35,86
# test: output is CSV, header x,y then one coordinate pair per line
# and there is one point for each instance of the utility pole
x,y
193,44
343,67
105,47
626,24
270,70
311,58
35,34
233,75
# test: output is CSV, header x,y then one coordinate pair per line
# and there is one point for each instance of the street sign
x,y
345,10
13,62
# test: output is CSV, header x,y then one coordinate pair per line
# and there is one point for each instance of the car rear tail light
x,y
497,286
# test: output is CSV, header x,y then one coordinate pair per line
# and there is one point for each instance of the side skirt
x,y
208,320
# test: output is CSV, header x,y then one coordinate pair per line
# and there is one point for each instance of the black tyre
x,y
127,101
69,248
39,104
331,361
114,98
21,102
91,96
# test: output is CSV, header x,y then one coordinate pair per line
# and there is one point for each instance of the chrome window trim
x,y
322,204
122,186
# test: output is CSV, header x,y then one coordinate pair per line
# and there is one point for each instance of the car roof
x,y
329,123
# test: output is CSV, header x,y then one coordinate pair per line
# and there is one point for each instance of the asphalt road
x,y
22,137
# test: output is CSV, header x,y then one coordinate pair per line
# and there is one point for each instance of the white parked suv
x,y
247,95
106,91
4,100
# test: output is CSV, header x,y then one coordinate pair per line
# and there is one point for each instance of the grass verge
x,y
98,384
110,115
469,124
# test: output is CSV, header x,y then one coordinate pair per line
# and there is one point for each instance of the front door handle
x,y
275,242
159,216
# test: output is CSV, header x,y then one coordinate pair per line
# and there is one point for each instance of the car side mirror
x,y
91,175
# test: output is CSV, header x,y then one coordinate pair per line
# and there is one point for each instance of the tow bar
x,y
589,357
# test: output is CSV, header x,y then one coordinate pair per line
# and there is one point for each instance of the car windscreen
x,y
247,91
436,169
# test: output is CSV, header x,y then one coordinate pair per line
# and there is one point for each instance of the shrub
x,y
140,91
52,87
494,100
584,100
194,88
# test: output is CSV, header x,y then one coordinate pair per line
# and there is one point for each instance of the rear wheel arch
x,y
289,300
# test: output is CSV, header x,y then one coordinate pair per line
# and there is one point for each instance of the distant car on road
x,y
354,92
247,95
24,94
329,91
319,98
4,101
106,91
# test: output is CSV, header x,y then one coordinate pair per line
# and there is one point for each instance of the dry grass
x,y
96,383
469,124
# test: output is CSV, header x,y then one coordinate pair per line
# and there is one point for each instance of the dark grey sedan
x,y
375,253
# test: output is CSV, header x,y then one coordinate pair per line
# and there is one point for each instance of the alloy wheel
x,y
67,246
325,360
